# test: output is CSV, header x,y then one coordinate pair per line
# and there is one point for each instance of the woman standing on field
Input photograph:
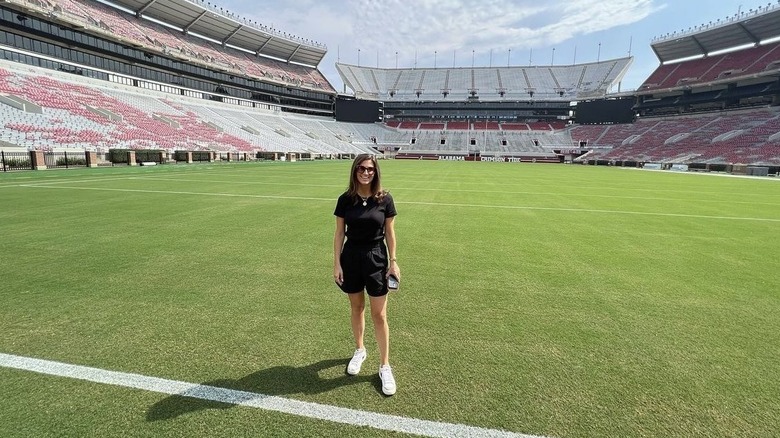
x,y
363,264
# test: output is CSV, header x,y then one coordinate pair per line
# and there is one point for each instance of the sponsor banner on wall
x,y
477,157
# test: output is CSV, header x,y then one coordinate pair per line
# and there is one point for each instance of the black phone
x,y
392,282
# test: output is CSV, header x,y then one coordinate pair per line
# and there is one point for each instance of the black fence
x,y
201,156
148,156
64,160
120,156
196,156
15,161
78,159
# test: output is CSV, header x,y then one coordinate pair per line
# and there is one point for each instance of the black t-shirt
x,y
365,224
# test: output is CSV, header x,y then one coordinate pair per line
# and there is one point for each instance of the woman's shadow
x,y
273,381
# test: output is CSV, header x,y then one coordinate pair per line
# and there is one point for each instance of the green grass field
x,y
563,301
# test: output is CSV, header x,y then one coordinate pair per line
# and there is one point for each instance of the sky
x,y
455,33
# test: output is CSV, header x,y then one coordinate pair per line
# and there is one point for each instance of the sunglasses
x,y
364,169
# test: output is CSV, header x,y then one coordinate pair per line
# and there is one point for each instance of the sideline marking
x,y
334,414
442,204
65,181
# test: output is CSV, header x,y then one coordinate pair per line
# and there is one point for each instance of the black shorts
x,y
365,267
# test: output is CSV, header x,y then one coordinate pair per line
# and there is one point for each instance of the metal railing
x,y
15,161
64,160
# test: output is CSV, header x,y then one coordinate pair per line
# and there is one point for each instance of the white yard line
x,y
334,414
428,189
440,204
67,180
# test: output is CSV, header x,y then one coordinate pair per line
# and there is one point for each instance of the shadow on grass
x,y
275,381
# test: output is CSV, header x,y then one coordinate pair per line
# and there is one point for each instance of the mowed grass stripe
x,y
444,204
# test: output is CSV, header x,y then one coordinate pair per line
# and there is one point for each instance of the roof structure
x,y
203,18
547,82
741,30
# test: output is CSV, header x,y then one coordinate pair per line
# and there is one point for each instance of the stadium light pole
x,y
396,59
508,58
358,57
598,56
472,58
435,52
552,59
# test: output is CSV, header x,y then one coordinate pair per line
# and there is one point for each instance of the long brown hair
x,y
376,184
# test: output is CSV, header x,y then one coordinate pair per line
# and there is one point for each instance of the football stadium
x,y
578,260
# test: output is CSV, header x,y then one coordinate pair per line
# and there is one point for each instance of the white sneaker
x,y
388,381
356,362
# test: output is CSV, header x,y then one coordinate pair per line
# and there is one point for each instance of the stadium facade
x,y
186,75
153,45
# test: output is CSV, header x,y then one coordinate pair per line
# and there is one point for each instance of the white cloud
x,y
447,25
450,30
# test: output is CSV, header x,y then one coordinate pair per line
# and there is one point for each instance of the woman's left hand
x,y
393,269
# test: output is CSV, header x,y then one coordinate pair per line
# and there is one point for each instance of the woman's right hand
x,y
338,275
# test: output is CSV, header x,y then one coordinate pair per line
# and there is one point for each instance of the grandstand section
x,y
43,110
750,137
730,63
247,64
711,103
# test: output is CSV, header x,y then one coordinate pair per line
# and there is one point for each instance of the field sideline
x,y
559,301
